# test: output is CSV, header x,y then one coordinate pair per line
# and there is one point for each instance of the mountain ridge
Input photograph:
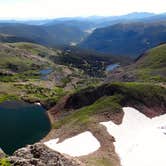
x,y
130,39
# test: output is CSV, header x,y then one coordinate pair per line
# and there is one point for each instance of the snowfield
x,y
140,141
82,144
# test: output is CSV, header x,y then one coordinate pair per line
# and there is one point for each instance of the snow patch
x,y
139,139
79,145
37,103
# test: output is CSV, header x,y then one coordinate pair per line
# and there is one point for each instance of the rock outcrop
x,y
40,155
2,154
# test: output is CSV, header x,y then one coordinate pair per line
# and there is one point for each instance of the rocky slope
x,y
2,154
39,155
84,110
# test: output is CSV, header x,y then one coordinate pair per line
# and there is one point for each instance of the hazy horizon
x,y
38,19
48,9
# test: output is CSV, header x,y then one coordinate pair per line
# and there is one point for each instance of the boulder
x,y
2,154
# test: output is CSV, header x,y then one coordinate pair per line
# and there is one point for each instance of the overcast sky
x,y
29,9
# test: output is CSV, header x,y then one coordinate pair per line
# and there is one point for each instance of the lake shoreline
x,y
48,136
51,118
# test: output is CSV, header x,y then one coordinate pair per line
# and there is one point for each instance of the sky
x,y
41,9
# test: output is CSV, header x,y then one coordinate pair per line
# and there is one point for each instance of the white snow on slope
x,y
79,145
140,141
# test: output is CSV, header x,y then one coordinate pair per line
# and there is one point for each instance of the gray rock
x,y
40,155
2,154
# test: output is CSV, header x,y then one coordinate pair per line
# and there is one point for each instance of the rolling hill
x,y
5,38
33,72
51,35
150,66
27,73
91,62
17,60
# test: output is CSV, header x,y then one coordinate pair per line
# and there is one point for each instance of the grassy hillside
x,y
36,49
28,72
115,95
51,35
5,38
90,62
20,76
150,66
131,39
18,60
153,59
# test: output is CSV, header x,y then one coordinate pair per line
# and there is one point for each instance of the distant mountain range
x,y
110,34
92,21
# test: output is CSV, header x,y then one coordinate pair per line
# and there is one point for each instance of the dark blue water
x,y
45,71
21,124
112,67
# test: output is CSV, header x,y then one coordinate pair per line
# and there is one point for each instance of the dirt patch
x,y
150,112
106,151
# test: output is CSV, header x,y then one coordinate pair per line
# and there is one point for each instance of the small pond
x,y
44,73
112,67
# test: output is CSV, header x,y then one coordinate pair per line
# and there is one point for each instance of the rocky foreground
x,y
39,155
